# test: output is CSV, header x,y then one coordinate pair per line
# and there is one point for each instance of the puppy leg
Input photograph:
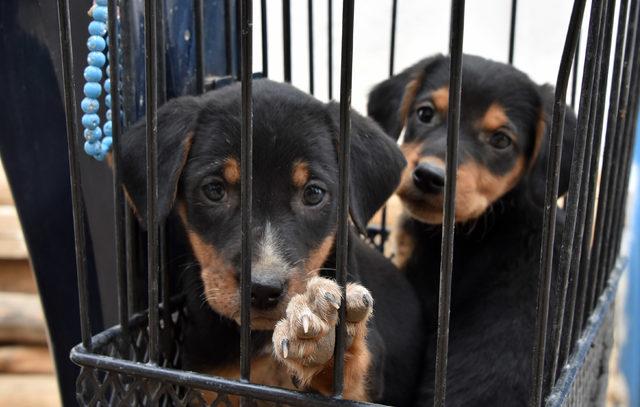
x,y
304,340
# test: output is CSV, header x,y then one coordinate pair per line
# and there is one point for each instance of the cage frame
x,y
596,268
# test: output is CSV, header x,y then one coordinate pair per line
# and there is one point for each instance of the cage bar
x,y
246,189
132,228
264,38
77,202
550,206
627,151
587,274
344,159
164,288
624,139
286,38
392,60
611,169
227,38
574,76
151,105
118,192
582,139
587,190
392,35
614,99
311,47
131,258
512,29
456,36
162,69
330,47
198,9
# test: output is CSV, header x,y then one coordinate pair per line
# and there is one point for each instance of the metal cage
x,y
138,362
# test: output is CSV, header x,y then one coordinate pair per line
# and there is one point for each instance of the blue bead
x,y
90,105
107,101
100,14
99,156
92,74
96,58
107,85
109,114
92,89
101,2
91,147
97,28
107,128
90,120
93,135
96,43
108,71
106,144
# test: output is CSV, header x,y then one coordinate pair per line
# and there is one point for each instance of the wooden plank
x,y
5,192
21,319
25,359
17,276
29,390
12,245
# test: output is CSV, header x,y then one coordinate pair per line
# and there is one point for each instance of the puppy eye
x,y
500,140
313,195
214,190
426,113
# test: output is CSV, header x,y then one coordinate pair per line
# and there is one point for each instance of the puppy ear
x,y
176,121
537,177
389,100
375,169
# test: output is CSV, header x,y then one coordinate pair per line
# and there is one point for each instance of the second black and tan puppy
x,y
499,202
295,196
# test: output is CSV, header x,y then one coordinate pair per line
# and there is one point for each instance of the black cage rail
x,y
125,364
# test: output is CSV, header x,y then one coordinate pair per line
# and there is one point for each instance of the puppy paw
x,y
304,340
359,309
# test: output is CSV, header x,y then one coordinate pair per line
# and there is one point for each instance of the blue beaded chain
x,y
98,141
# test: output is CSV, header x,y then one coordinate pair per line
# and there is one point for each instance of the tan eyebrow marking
x,y
231,171
494,118
300,174
440,99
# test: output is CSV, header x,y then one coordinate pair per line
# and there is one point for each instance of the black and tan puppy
x,y
499,202
295,193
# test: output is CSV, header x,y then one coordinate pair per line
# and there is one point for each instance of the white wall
x,y
422,29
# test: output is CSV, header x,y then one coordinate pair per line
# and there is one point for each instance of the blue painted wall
x,y
630,355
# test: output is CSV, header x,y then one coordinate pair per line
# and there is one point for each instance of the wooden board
x,y
5,192
25,359
12,245
16,276
21,319
29,390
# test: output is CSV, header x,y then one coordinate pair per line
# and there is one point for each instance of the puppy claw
x,y
332,300
366,301
305,323
359,303
285,348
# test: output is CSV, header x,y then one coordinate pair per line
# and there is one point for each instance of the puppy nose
x,y
429,178
266,294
